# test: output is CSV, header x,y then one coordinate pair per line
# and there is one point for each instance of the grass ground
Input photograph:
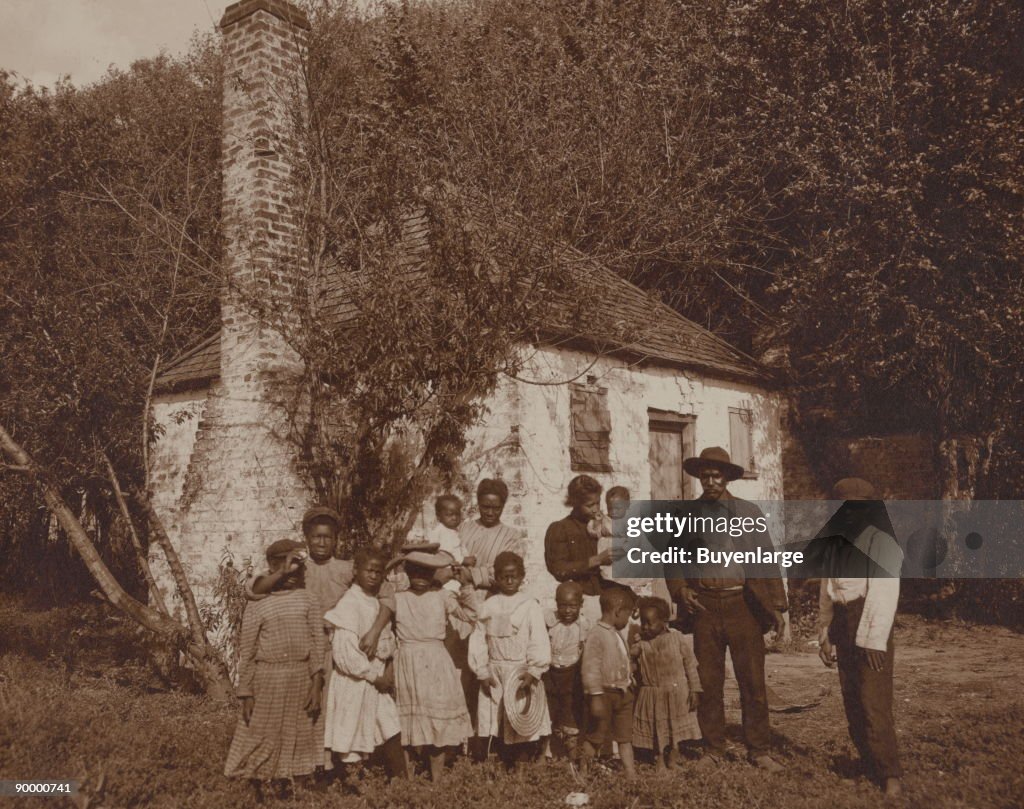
x,y
959,714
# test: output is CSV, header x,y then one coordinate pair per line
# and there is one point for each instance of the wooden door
x,y
671,442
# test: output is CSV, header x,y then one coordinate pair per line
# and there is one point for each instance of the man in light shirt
x,y
859,592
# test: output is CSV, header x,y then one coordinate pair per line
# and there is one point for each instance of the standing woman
x,y
485,537
570,550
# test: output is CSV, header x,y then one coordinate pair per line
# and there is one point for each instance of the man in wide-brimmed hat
x,y
731,606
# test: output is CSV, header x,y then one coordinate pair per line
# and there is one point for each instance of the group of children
x,y
404,656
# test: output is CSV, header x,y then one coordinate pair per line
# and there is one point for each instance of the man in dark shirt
x,y
732,607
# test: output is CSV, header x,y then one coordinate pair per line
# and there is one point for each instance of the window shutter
x,y
591,426
741,439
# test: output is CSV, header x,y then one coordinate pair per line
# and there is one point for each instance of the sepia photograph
x,y
469,404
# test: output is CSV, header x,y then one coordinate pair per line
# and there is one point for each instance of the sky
x,y
41,40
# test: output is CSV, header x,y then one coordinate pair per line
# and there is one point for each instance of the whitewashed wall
x,y
535,414
524,440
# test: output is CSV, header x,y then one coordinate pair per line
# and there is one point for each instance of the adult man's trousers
x,y
867,694
727,623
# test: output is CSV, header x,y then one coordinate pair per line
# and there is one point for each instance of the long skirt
x,y
662,718
281,740
431,705
359,717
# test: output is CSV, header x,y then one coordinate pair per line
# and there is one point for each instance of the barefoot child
x,y
280,677
510,636
669,686
431,705
567,630
361,713
607,680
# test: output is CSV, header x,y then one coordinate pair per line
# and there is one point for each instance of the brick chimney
x,y
264,45
240,491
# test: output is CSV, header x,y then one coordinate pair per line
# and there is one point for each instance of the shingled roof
x,y
660,335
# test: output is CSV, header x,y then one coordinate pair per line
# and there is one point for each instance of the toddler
x,y
669,686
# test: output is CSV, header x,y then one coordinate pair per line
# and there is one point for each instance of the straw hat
x,y
434,560
426,547
524,708
715,458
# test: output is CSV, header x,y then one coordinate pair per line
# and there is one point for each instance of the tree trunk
x,y
955,500
207,660
188,598
140,552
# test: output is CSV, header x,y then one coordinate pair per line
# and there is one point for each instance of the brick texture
x,y
239,490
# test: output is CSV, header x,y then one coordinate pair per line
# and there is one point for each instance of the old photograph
x,y
534,403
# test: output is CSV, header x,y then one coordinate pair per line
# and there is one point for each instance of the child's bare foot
x,y
659,764
256,790
893,788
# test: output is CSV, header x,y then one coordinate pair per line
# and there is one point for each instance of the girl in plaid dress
x,y
280,678
669,686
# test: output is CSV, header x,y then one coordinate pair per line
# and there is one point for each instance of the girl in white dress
x,y
431,705
361,713
510,634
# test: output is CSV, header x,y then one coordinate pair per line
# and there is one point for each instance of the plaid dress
x,y
668,673
281,648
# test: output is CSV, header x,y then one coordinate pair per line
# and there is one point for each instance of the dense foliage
x,y
834,186
109,206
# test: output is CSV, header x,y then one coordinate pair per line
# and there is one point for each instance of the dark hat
x,y
714,457
320,511
854,489
283,547
426,547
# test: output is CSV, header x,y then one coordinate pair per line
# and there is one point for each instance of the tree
x,y
424,282
901,206
109,243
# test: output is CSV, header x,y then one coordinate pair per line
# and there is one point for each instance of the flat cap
x,y
283,547
854,489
